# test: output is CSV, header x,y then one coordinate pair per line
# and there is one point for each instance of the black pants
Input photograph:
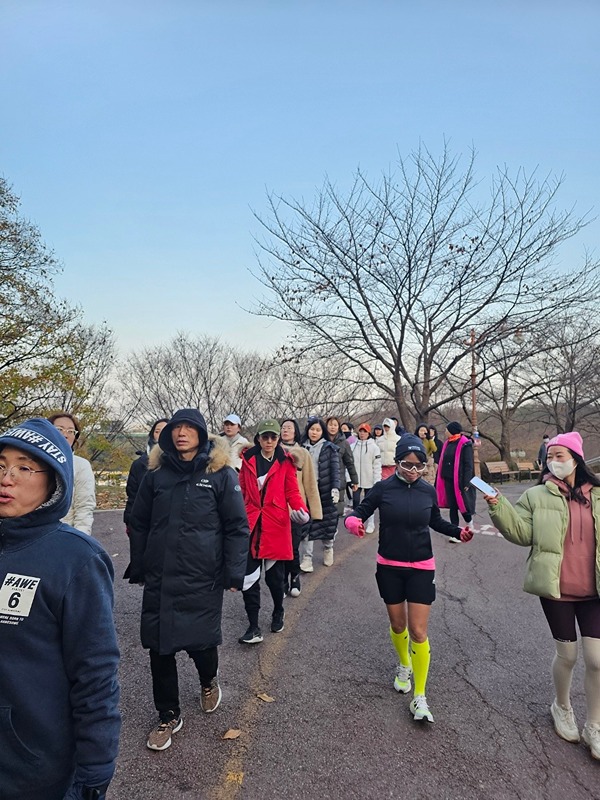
x,y
274,578
453,505
165,682
292,568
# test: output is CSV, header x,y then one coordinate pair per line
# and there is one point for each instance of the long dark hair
x,y
318,421
583,475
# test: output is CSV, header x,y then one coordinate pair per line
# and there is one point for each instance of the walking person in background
x,y
309,489
377,431
433,435
542,451
81,512
367,460
270,490
326,461
347,429
405,563
189,542
59,692
232,426
422,431
387,445
453,481
335,435
139,468
559,519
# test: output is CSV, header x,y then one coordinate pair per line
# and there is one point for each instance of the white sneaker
x,y
370,528
565,724
419,708
454,540
591,736
328,557
306,564
402,680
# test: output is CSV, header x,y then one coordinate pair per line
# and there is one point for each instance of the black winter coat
x,y
346,461
189,540
136,474
328,479
406,512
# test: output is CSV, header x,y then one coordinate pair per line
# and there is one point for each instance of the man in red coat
x,y
269,486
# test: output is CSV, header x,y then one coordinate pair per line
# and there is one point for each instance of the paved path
x,y
336,728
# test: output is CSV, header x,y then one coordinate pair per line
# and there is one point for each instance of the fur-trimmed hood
x,y
218,457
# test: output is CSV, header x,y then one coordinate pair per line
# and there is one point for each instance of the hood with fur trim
x,y
218,456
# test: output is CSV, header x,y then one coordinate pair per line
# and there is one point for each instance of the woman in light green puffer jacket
x,y
560,521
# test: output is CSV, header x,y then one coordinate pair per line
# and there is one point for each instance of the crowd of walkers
x,y
208,513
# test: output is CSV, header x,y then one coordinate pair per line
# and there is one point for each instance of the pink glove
x,y
466,534
355,526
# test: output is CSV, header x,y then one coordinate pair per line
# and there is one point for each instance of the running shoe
x,y
295,587
252,636
591,736
277,621
402,681
564,722
419,708
306,564
159,737
210,696
328,557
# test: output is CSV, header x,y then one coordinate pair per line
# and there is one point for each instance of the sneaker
x,y
564,722
306,564
328,557
419,708
210,696
252,636
277,621
370,528
402,681
591,736
454,540
160,737
295,586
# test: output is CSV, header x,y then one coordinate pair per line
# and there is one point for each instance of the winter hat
x,y
39,438
364,426
190,415
454,428
410,444
572,440
377,428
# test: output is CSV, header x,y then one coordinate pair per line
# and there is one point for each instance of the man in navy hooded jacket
x,y
59,718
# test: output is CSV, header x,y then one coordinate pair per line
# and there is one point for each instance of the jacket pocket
x,y
15,756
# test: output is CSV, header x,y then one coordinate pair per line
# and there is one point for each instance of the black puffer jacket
x,y
328,475
346,461
189,541
136,474
406,512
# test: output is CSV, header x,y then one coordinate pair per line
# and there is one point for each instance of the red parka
x,y
267,508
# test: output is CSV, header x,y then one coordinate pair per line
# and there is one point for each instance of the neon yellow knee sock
x,y
421,655
400,642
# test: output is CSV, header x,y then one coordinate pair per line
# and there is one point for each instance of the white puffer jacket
x,y
367,460
81,513
387,443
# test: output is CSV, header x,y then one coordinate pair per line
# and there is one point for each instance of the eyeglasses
x,y
72,431
268,436
408,466
19,473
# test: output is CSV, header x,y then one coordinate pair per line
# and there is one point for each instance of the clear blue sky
x,y
140,135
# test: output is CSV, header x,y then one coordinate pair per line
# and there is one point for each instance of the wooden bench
x,y
529,467
499,469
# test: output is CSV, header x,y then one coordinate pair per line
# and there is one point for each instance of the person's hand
x,y
299,516
355,525
335,495
355,487
466,534
233,589
491,499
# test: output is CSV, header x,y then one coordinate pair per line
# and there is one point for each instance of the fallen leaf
x,y
266,697
235,777
232,733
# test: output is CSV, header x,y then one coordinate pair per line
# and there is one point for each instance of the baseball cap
x,y
269,426
233,418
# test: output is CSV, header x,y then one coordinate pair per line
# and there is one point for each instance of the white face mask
x,y
562,469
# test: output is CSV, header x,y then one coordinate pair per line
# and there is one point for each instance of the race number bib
x,y
17,593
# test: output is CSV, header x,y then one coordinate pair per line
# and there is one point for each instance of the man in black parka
x,y
189,542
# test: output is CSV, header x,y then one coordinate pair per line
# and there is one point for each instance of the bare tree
x,y
390,276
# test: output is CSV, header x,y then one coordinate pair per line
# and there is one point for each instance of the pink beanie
x,y
572,440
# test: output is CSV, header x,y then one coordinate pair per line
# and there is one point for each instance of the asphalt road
x,y
336,728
